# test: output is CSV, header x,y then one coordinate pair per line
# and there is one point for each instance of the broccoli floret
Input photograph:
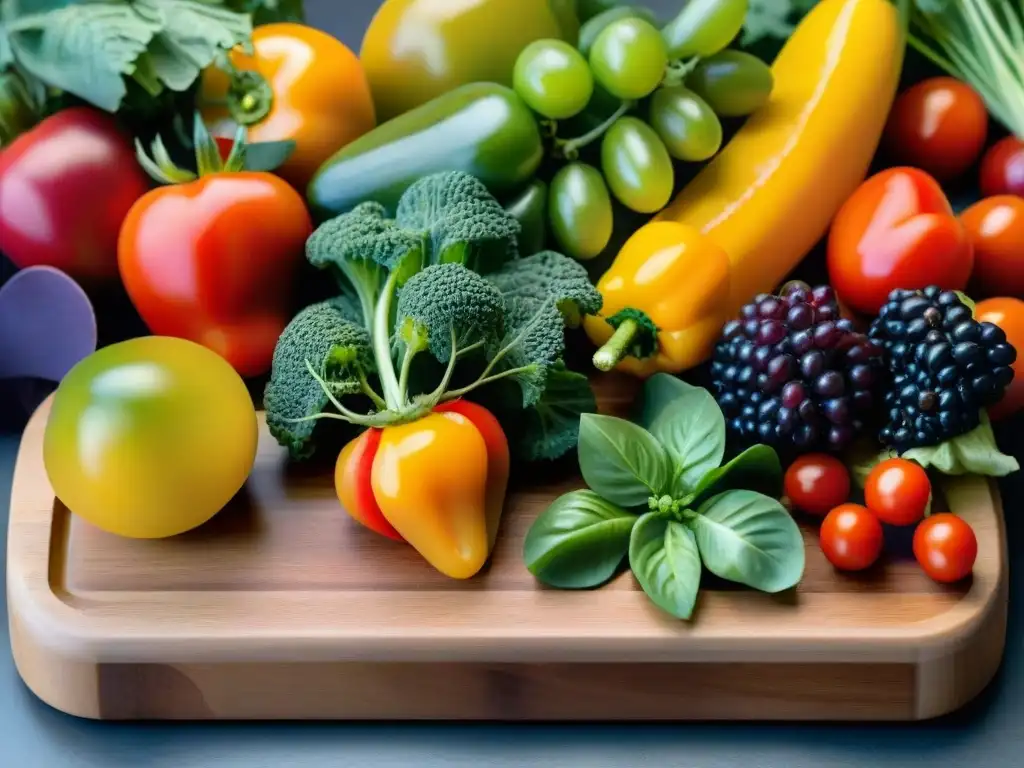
x,y
551,428
445,298
535,340
362,246
337,349
460,220
550,275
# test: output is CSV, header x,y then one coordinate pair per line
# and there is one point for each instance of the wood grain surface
x,y
283,607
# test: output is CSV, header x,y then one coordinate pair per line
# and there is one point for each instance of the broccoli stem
x,y
403,377
381,332
611,354
457,393
370,392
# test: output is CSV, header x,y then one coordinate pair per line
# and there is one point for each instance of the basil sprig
x,y
660,499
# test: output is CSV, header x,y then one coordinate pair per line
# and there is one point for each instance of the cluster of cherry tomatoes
x,y
897,492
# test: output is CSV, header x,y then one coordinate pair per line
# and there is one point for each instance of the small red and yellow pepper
x,y
437,483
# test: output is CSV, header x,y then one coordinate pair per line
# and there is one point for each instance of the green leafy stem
x,y
660,498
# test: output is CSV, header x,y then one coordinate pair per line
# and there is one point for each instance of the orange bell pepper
x,y
438,483
665,301
298,84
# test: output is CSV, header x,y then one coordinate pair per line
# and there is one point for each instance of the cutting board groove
x,y
282,607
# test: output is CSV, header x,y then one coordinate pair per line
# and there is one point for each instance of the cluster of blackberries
x,y
791,372
945,366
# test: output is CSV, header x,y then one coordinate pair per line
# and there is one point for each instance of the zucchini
x,y
484,129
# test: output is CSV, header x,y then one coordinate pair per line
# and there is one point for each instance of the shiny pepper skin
x,y
437,483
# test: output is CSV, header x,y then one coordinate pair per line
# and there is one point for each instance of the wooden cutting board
x,y
283,607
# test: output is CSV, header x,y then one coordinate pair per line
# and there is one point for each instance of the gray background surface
x,y
989,734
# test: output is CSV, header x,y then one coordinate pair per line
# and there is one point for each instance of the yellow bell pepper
x,y
665,300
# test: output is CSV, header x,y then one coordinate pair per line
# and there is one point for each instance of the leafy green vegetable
x,y
751,539
434,278
689,423
622,461
980,42
719,516
578,542
664,559
88,48
767,19
551,427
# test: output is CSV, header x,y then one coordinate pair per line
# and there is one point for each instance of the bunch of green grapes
x,y
662,91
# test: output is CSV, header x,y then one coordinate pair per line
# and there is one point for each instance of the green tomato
x,y
150,437
704,27
637,166
686,124
628,58
733,83
580,211
553,78
530,209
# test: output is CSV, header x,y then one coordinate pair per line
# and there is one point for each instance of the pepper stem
x,y
250,97
613,350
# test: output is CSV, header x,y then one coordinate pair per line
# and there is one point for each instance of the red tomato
x,y
1008,314
1002,168
65,188
946,547
939,125
817,482
996,228
851,537
897,491
897,230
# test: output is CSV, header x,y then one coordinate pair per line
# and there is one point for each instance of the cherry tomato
x,y
996,229
1008,314
1002,168
897,230
898,491
939,125
946,547
851,537
816,483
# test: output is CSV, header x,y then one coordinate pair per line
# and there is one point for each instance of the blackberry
x,y
945,366
791,373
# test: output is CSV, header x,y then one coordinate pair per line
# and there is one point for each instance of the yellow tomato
x,y
415,50
150,437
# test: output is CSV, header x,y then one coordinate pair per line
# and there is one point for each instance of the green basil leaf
x,y
621,461
756,469
578,542
688,423
972,453
751,539
664,559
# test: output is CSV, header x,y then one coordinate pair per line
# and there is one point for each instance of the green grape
x,y
686,124
628,58
595,26
704,27
580,211
637,165
553,78
733,83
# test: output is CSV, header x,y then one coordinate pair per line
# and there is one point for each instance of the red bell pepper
x,y
897,230
212,257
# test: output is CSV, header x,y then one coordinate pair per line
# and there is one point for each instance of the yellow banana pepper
x,y
665,299
771,193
